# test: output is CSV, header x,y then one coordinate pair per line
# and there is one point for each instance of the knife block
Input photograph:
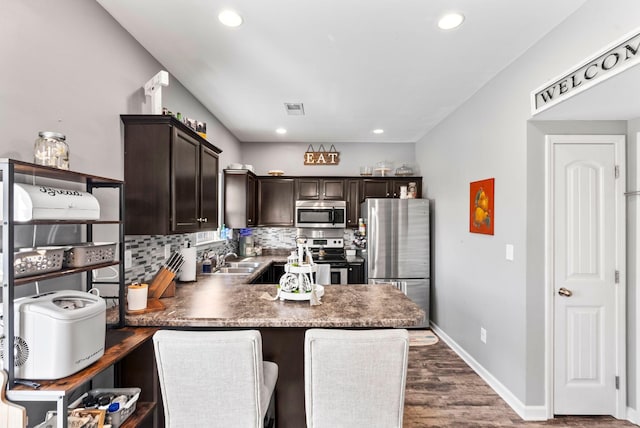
x,y
170,291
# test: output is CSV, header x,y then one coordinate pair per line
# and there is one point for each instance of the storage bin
x,y
89,253
49,203
34,261
118,417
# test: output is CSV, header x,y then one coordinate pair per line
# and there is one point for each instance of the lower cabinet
x,y
355,273
271,275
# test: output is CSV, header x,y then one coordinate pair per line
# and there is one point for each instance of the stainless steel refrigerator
x,y
397,232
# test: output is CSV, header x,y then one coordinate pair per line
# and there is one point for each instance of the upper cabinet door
x,y
239,198
308,188
333,189
276,203
209,188
185,182
353,201
375,188
313,188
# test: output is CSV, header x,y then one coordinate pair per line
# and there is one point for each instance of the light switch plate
x,y
509,252
167,251
127,259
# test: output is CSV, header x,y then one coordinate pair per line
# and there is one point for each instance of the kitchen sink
x,y
243,264
234,270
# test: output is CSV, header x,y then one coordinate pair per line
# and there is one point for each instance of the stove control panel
x,y
324,242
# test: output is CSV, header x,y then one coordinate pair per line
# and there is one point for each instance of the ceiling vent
x,y
294,109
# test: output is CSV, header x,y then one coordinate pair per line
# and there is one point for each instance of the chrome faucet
x,y
221,260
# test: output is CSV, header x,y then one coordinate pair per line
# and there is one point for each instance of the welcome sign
x,y
610,62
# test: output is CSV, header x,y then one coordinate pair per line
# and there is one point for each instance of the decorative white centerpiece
x,y
298,281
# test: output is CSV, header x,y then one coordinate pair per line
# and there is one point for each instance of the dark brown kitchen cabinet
x,y
355,272
388,187
171,176
353,201
396,183
376,188
276,201
311,188
239,198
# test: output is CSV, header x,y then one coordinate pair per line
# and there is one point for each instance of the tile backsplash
x,y
147,251
285,237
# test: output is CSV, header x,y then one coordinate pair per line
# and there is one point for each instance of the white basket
x,y
117,418
89,253
34,261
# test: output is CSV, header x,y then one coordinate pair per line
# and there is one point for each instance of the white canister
x,y
403,192
137,296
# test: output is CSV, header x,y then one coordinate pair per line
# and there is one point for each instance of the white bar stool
x,y
214,378
355,378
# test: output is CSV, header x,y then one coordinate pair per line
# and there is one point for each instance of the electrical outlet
x,y
167,251
483,335
128,261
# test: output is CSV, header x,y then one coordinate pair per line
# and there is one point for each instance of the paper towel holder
x,y
189,268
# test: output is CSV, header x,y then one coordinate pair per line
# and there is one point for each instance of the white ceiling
x,y
356,65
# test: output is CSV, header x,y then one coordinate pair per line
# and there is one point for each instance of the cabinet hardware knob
x,y
205,219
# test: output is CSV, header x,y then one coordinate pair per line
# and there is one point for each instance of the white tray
x,y
285,295
300,268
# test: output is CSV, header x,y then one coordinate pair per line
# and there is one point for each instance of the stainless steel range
x,y
327,246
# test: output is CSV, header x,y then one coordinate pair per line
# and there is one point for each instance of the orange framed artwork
x,y
481,214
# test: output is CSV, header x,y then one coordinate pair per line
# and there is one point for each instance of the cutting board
x,y
153,305
11,415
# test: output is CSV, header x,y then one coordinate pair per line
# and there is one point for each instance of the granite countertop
x,y
231,301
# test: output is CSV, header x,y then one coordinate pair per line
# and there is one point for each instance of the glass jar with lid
x,y
51,149
404,170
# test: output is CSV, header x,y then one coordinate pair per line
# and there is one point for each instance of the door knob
x,y
564,292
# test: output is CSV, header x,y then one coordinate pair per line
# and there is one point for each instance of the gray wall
x,y
67,66
633,259
473,284
289,157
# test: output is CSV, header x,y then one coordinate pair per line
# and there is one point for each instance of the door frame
x,y
619,142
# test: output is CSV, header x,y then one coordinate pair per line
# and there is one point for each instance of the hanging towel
x,y
323,275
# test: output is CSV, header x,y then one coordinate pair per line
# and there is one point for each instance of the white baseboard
x,y
527,413
633,416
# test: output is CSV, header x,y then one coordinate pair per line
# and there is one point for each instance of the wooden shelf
x,y
61,273
124,340
142,411
26,168
59,222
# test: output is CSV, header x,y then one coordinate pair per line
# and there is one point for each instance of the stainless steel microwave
x,y
321,214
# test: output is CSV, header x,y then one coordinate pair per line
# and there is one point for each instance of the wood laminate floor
x,y
443,391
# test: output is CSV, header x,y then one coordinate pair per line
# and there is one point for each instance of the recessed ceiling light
x,y
281,131
378,131
230,18
451,21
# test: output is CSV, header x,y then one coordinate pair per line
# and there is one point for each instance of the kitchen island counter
x,y
227,302
230,301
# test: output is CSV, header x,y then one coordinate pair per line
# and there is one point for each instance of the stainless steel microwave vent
x,y
294,109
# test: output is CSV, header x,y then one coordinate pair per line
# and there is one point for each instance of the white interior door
x,y
588,252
